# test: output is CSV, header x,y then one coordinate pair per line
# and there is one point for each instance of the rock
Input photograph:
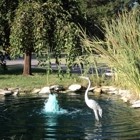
x,y
5,92
66,91
56,88
92,88
35,90
124,99
44,90
136,102
74,87
109,89
98,90
136,105
109,74
16,92
126,96
120,91
113,92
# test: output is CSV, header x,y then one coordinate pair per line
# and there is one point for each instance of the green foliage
x,y
45,27
53,27
63,35
95,11
122,48
2,61
6,17
27,31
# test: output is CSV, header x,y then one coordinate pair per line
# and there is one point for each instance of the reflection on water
x,y
95,133
51,123
24,117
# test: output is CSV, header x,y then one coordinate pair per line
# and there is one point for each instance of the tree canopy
x,y
52,27
43,27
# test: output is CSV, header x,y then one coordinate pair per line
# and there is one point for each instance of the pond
x,y
23,118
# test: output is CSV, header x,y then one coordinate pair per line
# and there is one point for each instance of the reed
x,y
121,47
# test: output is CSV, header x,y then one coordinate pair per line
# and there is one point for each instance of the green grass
x,y
13,78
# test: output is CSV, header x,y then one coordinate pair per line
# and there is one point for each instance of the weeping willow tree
x,y
62,35
44,27
28,32
121,47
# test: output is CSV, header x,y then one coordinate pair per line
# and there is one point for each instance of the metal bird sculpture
x,y
92,103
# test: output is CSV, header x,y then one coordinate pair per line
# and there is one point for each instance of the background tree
x,y
39,27
6,17
52,27
62,36
96,10
28,32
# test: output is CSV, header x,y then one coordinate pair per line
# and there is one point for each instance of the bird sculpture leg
x,y
100,112
96,115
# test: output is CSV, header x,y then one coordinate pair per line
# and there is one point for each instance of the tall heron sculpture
x,y
92,103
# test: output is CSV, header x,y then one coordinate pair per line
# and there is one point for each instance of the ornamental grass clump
x,y
121,47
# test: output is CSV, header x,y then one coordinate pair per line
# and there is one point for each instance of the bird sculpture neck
x,y
86,93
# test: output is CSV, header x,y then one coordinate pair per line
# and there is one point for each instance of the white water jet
x,y
51,105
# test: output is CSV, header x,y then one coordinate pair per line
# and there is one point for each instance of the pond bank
x,y
75,89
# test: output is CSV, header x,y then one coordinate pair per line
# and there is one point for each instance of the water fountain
x,y
51,105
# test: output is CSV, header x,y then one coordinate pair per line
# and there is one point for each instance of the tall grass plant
x,y
121,47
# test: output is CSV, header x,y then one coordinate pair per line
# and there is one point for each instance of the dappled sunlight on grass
x,y
13,78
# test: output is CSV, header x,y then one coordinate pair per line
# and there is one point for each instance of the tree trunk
x,y
27,63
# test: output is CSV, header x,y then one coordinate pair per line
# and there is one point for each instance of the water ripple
x,y
25,117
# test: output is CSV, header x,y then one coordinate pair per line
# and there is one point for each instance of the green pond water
x,y
24,118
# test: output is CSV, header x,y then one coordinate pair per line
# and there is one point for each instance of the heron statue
x,y
92,103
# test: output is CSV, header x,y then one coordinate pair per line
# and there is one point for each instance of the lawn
x,y
13,78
